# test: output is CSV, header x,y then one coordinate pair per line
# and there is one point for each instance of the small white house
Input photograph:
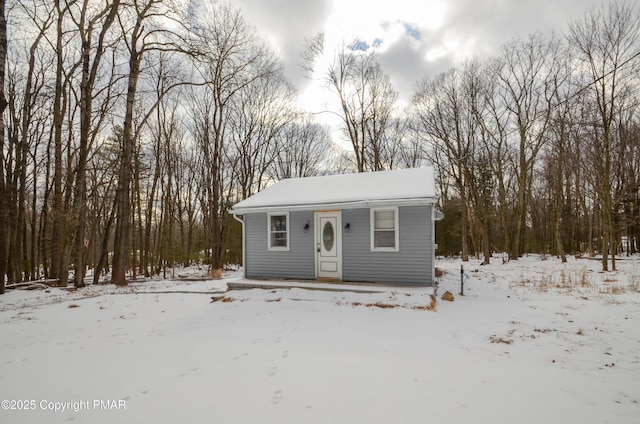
x,y
375,227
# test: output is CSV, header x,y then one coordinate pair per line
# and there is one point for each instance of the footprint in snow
x,y
192,370
141,393
277,397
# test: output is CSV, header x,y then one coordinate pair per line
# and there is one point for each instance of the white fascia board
x,y
342,205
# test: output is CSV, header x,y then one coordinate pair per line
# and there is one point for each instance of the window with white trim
x,y
384,230
278,227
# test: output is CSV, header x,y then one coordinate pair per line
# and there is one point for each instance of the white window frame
x,y
372,222
269,232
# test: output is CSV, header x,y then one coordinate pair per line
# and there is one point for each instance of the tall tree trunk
x,y
608,234
59,265
80,188
123,216
89,73
486,242
12,171
558,227
3,195
151,195
104,246
23,149
142,256
464,224
520,213
559,198
35,239
43,230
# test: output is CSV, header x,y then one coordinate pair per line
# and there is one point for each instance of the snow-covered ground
x,y
532,341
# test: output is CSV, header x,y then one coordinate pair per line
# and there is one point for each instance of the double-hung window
x,y
384,230
278,225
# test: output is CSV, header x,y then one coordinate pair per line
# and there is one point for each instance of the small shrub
x,y
430,307
543,287
564,279
496,339
612,289
584,279
634,283
381,305
615,289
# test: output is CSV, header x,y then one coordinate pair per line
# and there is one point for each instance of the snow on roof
x,y
416,184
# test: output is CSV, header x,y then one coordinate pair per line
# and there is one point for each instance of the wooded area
x,y
129,128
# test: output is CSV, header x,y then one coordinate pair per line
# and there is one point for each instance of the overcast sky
x,y
413,38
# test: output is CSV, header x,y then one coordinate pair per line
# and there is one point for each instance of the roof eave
x,y
422,201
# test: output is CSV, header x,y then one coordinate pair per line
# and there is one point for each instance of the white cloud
x,y
413,39
286,24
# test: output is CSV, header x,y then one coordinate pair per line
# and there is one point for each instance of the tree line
x,y
537,149
129,128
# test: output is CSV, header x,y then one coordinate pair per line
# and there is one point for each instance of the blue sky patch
x,y
359,45
412,31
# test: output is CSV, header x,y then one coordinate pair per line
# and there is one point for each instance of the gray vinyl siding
x,y
298,262
412,264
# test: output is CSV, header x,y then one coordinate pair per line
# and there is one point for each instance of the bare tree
x,y
480,178
3,195
26,130
258,115
383,132
365,95
302,149
631,134
494,135
606,40
59,261
559,169
525,70
91,58
102,173
447,128
234,59
164,131
147,24
185,199
630,178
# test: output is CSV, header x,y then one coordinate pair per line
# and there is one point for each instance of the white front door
x,y
328,244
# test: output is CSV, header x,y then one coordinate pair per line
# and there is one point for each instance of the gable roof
x,y
405,186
